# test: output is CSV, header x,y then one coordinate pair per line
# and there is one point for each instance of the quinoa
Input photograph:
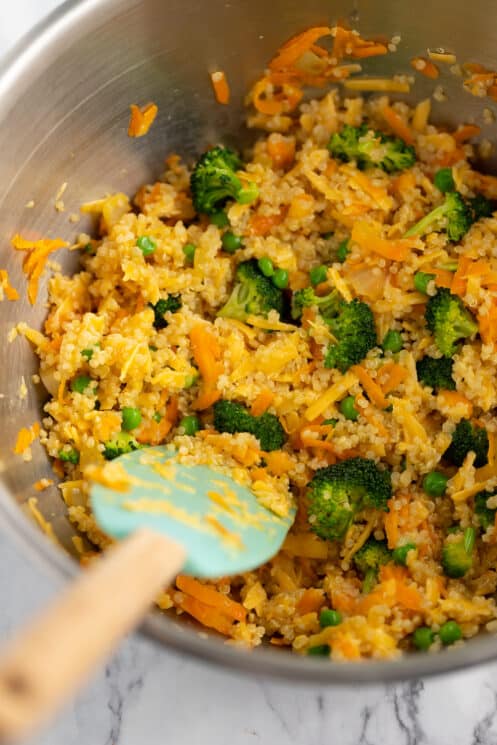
x,y
100,324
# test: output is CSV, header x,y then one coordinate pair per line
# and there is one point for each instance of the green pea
x,y
329,617
219,219
190,380
157,417
450,632
343,250
320,650
444,181
189,251
348,409
423,638
131,418
318,274
190,424
80,384
399,554
69,456
280,279
146,244
421,281
435,484
393,341
231,242
87,354
266,266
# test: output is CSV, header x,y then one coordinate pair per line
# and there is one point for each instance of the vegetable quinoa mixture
x,y
319,318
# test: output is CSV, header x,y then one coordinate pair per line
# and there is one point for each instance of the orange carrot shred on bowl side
x,y
36,257
141,119
296,46
269,102
220,87
426,67
465,133
211,597
397,125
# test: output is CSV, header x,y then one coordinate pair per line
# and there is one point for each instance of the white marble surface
x,y
148,697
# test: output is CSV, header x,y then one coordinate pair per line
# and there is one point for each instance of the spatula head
x,y
221,524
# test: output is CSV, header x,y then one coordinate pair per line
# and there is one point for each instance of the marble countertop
x,y
146,696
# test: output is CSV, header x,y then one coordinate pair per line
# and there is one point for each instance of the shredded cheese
x,y
334,393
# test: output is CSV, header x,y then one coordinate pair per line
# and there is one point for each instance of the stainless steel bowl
x,y
64,98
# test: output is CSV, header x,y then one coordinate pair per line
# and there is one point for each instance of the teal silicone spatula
x,y
169,517
220,524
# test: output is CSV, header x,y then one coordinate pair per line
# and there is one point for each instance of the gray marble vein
x,y
147,696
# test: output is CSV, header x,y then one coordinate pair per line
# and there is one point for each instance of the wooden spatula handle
x,y
47,661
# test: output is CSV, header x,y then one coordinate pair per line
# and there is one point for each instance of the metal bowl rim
x,y
289,667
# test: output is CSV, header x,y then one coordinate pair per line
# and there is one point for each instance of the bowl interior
x,y
65,105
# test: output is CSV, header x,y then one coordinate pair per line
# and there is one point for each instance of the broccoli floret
x,y
69,455
453,215
328,305
352,325
457,553
253,294
485,514
214,181
436,372
122,443
368,560
232,417
449,321
468,437
480,207
338,492
355,333
371,149
169,304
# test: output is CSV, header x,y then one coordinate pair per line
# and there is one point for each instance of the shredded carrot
x,y
141,119
373,390
487,324
443,278
263,224
294,48
370,50
10,292
392,375
311,601
207,355
270,101
406,595
342,601
35,259
262,402
451,399
25,437
397,125
425,67
206,615
459,281
391,523
281,152
211,597
220,86
465,133
42,484
366,235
